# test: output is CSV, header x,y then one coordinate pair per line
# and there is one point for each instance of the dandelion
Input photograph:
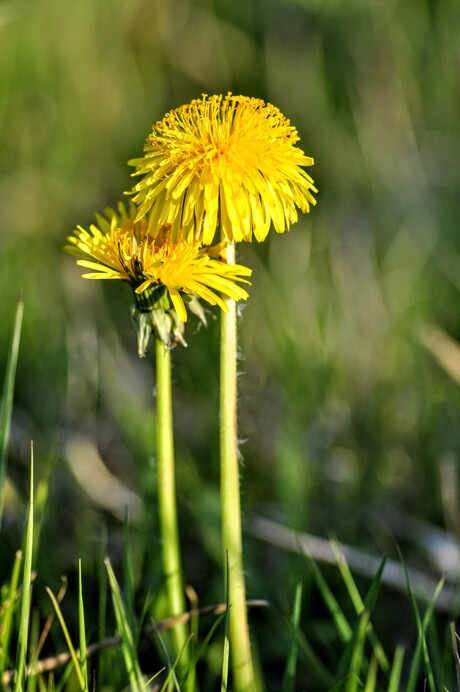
x,y
164,275
167,276
227,162
223,161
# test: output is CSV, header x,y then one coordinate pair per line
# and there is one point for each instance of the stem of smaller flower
x,y
240,646
167,496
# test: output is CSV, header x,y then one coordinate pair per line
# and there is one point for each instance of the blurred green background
x,y
349,396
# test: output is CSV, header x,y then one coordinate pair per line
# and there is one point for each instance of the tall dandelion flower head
x,y
223,161
165,275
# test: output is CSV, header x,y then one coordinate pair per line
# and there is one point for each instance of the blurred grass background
x,y
349,402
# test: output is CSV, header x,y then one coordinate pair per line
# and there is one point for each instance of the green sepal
x,y
194,305
153,312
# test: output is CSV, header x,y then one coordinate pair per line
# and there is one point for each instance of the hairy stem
x,y
167,493
240,648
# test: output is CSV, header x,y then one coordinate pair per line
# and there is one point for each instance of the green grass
x,y
26,590
349,416
7,401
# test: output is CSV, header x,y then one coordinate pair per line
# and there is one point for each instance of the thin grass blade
x,y
9,608
421,649
171,677
371,681
425,624
201,650
62,684
73,653
396,668
128,648
7,400
192,598
41,499
26,589
454,639
102,607
358,658
32,680
342,625
128,576
347,577
368,606
81,629
154,677
291,665
358,603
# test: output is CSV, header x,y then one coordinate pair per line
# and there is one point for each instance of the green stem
x,y
240,646
167,495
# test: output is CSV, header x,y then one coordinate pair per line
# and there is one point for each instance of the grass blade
x,y
357,654
341,623
128,576
171,678
73,654
102,606
357,601
190,681
368,606
226,653
82,633
454,639
41,499
34,637
26,589
7,400
421,650
291,665
204,646
9,608
371,681
128,648
395,675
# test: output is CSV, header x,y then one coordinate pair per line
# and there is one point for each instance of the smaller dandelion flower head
x,y
228,161
164,275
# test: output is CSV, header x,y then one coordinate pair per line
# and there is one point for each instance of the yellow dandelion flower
x,y
228,161
119,247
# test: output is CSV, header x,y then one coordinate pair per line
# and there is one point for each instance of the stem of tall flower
x,y
240,646
167,495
